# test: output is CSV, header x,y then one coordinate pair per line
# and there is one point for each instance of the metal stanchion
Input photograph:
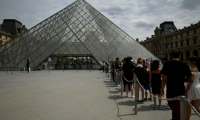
x,y
121,85
115,78
90,67
49,67
12,68
108,65
35,69
182,108
135,95
63,67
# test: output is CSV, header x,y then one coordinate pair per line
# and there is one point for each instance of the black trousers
x,y
103,68
27,69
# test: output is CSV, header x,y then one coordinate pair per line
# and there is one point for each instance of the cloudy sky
x,y
138,18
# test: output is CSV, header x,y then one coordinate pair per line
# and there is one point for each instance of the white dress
x,y
194,92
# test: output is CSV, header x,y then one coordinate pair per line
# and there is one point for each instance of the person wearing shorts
x,y
146,85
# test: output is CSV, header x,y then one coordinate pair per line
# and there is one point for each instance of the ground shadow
x,y
116,97
127,103
150,108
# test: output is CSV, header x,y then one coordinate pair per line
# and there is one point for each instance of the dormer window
x,y
187,33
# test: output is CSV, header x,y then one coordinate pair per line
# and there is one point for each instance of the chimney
x,y
191,24
152,36
137,39
147,38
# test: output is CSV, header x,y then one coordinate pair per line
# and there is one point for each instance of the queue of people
x,y
179,78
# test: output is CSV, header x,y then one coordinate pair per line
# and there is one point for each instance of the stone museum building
x,y
10,29
167,37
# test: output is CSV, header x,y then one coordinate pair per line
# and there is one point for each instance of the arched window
x,y
187,54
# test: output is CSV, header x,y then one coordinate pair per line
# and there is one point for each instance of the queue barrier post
x,y
135,81
182,108
108,71
90,67
121,84
12,68
115,78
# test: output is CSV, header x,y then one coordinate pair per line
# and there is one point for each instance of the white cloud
x,y
138,18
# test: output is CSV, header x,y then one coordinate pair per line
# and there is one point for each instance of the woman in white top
x,y
192,91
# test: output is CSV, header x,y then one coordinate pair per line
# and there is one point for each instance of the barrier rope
x,y
117,73
192,107
171,99
127,80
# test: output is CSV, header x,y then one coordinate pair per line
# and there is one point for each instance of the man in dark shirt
x,y
175,72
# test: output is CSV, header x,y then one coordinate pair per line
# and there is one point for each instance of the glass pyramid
x,y
77,29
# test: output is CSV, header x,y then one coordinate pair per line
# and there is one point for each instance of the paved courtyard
x,y
71,95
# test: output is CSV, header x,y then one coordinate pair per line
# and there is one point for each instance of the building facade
x,y
168,37
10,29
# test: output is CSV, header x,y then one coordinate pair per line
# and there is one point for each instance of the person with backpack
x,y
155,81
128,75
147,62
146,85
139,71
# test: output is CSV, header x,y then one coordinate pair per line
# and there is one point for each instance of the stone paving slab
x,y
71,95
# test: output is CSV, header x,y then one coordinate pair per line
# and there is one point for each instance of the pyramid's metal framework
x,y
77,29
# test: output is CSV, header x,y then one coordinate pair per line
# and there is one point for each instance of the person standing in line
x,y
138,71
175,73
143,62
110,67
163,61
118,75
147,62
129,89
155,81
192,91
27,66
128,75
106,65
116,62
147,86
113,70
103,65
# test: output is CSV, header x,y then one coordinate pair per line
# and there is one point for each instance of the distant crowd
x,y
181,79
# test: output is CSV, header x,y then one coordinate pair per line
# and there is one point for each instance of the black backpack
x,y
142,75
